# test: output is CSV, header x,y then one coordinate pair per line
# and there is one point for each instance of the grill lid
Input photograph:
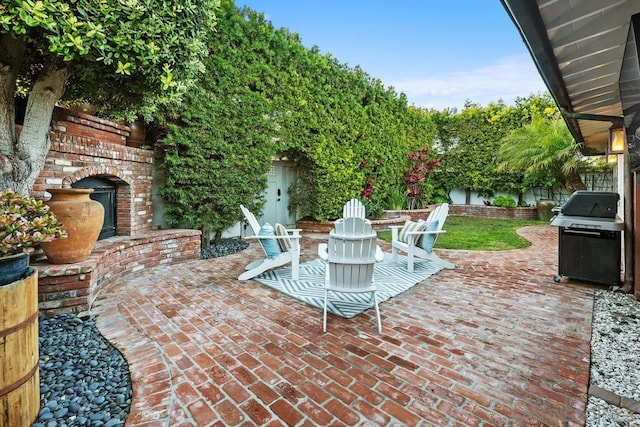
x,y
598,204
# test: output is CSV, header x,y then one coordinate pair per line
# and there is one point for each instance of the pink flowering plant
x,y
373,208
24,223
417,174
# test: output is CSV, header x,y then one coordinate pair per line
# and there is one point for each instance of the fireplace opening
x,y
104,191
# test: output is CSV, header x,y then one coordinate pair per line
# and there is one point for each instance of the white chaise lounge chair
x,y
417,238
281,246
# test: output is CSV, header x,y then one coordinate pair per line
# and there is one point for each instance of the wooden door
x,y
276,210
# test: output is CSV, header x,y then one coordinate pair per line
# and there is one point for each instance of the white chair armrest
x,y
323,251
395,230
272,237
410,233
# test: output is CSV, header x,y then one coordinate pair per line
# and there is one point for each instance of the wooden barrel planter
x,y
19,375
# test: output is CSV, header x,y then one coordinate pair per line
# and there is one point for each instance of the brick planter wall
x,y
494,212
398,217
324,227
413,214
72,288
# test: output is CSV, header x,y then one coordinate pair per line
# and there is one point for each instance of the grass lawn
x,y
479,234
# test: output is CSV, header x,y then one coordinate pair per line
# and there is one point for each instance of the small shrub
x,y
417,175
440,196
24,223
373,209
505,202
396,199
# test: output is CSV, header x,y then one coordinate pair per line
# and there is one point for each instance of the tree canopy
x,y
468,143
545,152
126,57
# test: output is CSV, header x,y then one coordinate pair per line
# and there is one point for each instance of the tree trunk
x,y
205,237
573,181
24,159
11,53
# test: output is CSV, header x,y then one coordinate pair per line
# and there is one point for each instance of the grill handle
x,y
582,232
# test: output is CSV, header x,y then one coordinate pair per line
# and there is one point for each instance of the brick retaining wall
x,y
400,216
72,288
325,227
482,211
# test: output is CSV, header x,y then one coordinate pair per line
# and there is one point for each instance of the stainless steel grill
x,y
589,237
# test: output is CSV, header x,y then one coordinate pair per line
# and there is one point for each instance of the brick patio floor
x,y
493,342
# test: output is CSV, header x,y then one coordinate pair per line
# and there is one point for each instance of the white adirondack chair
x,y
284,257
353,209
350,255
414,247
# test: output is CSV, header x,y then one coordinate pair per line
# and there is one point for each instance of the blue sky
x,y
438,52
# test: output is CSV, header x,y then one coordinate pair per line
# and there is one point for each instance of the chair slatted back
x,y
353,209
440,213
251,219
352,251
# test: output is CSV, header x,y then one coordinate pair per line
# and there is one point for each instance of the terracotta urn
x,y
81,217
545,207
137,133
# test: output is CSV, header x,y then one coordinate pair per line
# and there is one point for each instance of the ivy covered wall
x,y
264,93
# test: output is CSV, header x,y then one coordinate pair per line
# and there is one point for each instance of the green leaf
x,y
124,68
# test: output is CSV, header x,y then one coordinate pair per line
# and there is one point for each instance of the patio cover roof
x,y
587,55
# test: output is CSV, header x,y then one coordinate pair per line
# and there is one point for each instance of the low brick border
x,y
615,399
399,217
72,288
482,211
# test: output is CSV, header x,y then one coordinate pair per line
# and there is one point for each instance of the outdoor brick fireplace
x,y
84,146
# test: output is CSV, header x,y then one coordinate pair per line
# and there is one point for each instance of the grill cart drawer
x,y
591,255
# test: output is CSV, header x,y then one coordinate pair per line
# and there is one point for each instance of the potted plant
x,y
24,223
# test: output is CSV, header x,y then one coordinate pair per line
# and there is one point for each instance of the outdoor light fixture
x,y
616,140
615,145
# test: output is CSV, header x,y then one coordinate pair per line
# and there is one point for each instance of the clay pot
x,y
544,207
81,217
137,133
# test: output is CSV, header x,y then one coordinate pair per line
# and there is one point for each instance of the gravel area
x,y
225,247
615,361
84,380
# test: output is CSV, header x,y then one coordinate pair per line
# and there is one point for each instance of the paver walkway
x,y
493,342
